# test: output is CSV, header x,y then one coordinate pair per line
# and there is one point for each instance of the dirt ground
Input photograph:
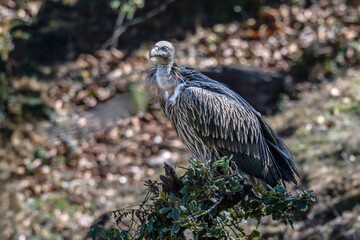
x,y
323,129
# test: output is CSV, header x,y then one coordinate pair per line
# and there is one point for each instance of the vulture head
x,y
164,52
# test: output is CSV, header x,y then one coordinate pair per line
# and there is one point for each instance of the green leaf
x,y
183,208
114,4
302,205
215,231
164,230
234,183
94,233
276,216
175,228
280,188
175,214
254,234
267,201
150,223
165,210
192,206
233,212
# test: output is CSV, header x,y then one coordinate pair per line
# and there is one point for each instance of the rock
x,y
260,88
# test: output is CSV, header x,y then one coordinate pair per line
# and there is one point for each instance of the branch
x,y
193,218
121,28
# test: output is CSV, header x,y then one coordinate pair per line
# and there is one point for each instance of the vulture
x,y
213,121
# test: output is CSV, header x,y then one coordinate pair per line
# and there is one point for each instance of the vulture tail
x,y
281,155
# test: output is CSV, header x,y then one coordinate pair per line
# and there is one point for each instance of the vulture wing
x,y
228,125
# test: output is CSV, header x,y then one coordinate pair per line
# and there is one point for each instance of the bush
x,y
210,201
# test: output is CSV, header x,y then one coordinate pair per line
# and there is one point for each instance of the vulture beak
x,y
153,52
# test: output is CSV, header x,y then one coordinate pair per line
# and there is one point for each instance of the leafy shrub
x,y
210,201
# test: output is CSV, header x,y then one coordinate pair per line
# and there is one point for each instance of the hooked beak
x,y
153,52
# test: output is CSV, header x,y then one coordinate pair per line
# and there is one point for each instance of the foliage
x,y
21,13
126,7
4,93
22,102
211,201
141,102
14,16
19,99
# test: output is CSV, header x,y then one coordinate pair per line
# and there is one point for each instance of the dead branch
x,y
121,27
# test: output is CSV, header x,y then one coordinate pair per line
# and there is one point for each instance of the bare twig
x,y
119,21
121,27
233,230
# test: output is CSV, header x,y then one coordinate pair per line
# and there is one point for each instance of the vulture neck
x,y
165,77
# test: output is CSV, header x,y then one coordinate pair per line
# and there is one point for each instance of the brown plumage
x,y
213,121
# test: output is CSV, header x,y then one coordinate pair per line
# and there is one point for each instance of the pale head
x,y
164,52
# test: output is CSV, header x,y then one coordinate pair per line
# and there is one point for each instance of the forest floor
x,y
322,132
60,193
58,177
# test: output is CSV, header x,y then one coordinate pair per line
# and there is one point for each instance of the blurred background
x,y
78,133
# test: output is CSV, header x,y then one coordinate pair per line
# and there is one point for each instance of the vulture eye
x,y
164,49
